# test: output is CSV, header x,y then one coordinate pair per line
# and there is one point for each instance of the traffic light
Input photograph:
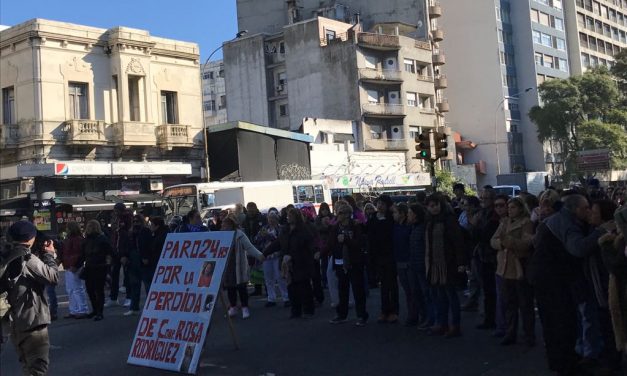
x,y
423,146
440,145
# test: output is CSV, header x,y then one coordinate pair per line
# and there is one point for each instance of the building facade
x,y
352,62
214,93
597,30
90,111
494,73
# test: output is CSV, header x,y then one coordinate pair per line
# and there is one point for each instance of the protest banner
x,y
178,309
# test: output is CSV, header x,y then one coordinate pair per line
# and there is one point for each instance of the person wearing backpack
x,y
25,279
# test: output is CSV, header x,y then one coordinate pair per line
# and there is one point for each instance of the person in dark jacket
x,y
323,222
295,247
380,230
416,217
484,225
252,223
74,285
555,270
151,256
25,279
140,243
401,244
95,256
192,222
121,222
445,262
348,258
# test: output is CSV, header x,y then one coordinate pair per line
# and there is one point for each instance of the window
x,y
221,73
583,40
548,61
535,15
222,102
557,4
560,44
282,78
169,108
209,105
510,81
558,23
207,76
281,47
506,59
581,20
414,131
539,58
78,100
537,38
409,66
425,102
562,65
547,40
544,19
133,97
282,110
330,34
8,105
411,99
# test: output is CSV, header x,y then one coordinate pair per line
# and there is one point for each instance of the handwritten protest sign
x,y
178,308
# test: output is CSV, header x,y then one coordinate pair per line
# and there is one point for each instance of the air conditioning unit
x,y
280,88
156,184
27,186
376,135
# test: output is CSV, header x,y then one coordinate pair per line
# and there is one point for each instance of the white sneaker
x,y
127,303
245,312
232,311
110,303
131,313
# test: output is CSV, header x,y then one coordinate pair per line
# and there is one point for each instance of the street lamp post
x,y
202,101
496,137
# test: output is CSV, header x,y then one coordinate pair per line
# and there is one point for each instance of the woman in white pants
x,y
74,285
271,267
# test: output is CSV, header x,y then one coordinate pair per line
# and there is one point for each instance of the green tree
x,y
595,134
571,111
619,70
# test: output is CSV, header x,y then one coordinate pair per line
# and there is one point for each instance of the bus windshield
x,y
179,200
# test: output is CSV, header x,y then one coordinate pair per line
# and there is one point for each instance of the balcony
x,y
385,145
441,82
437,35
9,136
435,10
438,57
443,106
379,41
174,135
84,132
380,75
384,110
134,133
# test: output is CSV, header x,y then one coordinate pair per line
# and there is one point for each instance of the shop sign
x,y
152,168
377,181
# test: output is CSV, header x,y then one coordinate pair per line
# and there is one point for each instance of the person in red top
x,y
74,285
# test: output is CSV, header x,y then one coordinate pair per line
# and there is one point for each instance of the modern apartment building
x,y
597,30
93,112
498,52
357,61
214,93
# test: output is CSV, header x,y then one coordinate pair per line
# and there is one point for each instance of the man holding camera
x,y
25,280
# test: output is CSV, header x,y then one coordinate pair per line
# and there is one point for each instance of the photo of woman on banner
x,y
206,273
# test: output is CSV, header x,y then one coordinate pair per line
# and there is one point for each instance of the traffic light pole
x,y
434,182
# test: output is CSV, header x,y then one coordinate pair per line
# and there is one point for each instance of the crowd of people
x,y
562,253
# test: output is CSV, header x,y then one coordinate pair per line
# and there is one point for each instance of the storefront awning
x,y
85,203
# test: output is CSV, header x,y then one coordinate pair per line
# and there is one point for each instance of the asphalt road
x,y
272,344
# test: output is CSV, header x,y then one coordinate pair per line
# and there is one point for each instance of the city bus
x,y
179,199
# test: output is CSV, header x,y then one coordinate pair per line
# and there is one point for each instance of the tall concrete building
x,y
95,112
374,63
498,52
597,30
214,93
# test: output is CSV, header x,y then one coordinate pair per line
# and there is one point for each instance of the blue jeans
x,y
446,300
135,284
52,299
428,311
408,278
589,340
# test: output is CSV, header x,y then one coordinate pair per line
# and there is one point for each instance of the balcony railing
x,y
438,57
435,9
174,135
423,45
441,82
380,74
437,35
383,109
84,132
9,135
385,144
134,133
379,41
443,106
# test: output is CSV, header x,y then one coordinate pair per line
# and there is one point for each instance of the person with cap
x,y
25,279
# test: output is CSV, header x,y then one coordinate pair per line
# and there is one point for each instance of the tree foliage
x,y
583,113
619,70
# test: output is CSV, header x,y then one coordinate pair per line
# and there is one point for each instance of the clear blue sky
x,y
207,23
